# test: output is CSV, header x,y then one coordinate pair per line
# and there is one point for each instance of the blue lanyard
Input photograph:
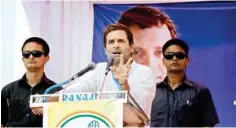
x,y
117,82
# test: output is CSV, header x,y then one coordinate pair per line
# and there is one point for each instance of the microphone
x,y
110,62
90,67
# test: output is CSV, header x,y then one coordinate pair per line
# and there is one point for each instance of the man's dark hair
x,y
145,17
114,27
39,41
178,42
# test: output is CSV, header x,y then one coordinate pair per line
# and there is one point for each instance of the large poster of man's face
x,y
208,28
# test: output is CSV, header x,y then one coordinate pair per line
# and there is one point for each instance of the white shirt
x,y
140,79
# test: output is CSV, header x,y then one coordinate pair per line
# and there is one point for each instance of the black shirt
x,y
189,105
15,102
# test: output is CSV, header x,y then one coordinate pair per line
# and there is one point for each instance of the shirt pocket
x,y
187,109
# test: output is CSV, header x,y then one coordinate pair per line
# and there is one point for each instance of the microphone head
x,y
110,62
92,65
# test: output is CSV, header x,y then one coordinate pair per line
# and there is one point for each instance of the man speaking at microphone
x,y
125,73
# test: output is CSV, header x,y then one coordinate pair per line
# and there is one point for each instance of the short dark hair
x,y
114,27
146,16
39,41
178,42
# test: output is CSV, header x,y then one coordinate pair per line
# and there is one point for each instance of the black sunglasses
x,y
35,54
178,55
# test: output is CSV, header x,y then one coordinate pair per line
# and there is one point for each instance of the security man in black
x,y
15,96
180,102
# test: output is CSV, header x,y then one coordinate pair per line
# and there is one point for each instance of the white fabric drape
x,y
68,28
